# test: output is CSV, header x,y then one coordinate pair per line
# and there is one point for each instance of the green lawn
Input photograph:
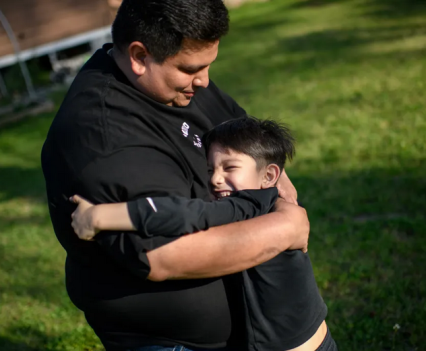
x,y
350,78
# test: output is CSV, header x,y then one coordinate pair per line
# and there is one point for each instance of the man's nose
x,y
202,78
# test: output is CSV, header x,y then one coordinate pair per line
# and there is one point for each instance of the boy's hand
x,y
83,218
286,189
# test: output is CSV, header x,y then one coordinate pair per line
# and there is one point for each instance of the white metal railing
x,y
55,46
18,58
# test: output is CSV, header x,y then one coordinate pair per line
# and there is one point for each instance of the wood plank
x,y
23,16
62,22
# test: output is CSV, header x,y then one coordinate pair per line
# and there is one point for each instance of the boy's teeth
x,y
225,194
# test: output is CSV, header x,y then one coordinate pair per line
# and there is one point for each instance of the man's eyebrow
x,y
195,67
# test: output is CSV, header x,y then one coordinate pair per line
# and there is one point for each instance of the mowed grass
x,y
349,77
35,311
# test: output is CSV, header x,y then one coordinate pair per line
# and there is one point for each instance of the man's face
x,y
175,81
232,171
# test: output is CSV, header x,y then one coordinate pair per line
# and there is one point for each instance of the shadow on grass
x,y
308,55
314,3
16,182
9,345
20,163
367,238
247,28
82,338
329,42
399,190
267,54
381,9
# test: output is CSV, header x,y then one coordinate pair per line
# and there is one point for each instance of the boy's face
x,y
232,171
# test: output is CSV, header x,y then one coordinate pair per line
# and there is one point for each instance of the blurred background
x,y
349,76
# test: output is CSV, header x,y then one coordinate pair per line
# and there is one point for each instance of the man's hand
x,y
300,223
286,188
83,219
233,247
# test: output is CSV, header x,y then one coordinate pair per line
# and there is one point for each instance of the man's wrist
x,y
286,231
295,225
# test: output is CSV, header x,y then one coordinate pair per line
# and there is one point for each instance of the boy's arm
x,y
89,219
169,216
176,216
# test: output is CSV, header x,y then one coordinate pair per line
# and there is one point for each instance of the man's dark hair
x,y
162,25
265,141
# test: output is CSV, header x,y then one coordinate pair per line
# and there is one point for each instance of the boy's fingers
x,y
86,237
75,199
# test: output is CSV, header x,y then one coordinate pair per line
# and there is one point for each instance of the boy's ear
x,y
271,175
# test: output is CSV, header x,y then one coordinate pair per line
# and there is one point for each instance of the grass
x,y
349,77
35,312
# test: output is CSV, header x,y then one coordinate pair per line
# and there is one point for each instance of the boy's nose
x,y
216,179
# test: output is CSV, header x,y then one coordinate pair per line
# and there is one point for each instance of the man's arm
x,y
231,248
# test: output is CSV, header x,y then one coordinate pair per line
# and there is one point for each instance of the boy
x,y
284,310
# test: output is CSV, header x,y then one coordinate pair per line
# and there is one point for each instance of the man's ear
x,y
270,176
137,54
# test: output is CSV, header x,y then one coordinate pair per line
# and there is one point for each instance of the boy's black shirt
x,y
282,304
111,143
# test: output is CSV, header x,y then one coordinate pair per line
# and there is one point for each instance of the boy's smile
x,y
232,171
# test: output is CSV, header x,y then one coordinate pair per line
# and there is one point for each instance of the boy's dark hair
x,y
162,25
265,141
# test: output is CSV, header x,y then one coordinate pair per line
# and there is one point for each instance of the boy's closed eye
x,y
231,168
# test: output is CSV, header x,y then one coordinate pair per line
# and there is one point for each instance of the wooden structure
x,y
45,26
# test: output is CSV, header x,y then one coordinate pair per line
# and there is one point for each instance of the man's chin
x,y
181,102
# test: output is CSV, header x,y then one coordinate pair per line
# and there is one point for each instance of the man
x,y
129,127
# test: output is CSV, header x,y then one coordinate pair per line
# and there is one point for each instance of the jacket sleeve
x,y
176,216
